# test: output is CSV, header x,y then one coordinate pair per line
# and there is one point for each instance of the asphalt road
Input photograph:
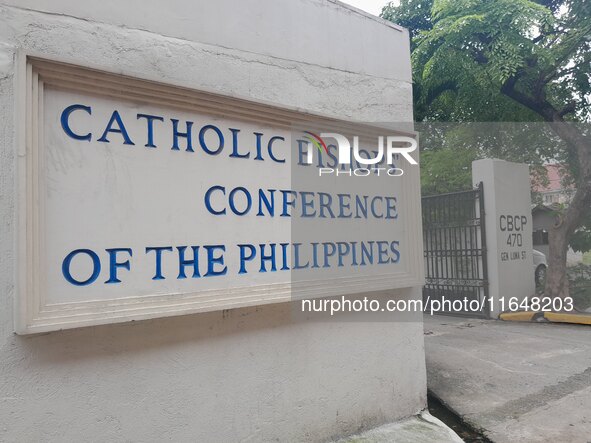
x,y
526,382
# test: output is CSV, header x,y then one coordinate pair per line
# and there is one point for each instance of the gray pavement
x,y
423,428
518,382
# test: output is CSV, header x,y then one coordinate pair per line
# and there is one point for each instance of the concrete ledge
x,y
554,317
567,317
423,428
518,316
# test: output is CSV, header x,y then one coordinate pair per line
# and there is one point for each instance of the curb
x,y
553,317
562,317
518,315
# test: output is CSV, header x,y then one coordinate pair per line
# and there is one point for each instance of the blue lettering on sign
x,y
329,250
179,130
114,264
188,262
262,258
343,249
176,134
248,198
120,129
296,257
96,267
235,152
65,120
150,122
268,257
196,261
220,139
244,257
213,260
270,149
208,200
259,137
158,274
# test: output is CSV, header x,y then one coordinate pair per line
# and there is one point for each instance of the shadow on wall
x,y
144,336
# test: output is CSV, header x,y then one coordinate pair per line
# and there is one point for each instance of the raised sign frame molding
x,y
33,315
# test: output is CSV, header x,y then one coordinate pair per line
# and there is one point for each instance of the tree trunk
x,y
573,216
559,235
556,278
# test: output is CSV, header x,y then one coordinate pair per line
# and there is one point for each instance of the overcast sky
x,y
372,6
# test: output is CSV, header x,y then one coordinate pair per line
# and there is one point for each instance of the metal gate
x,y
455,252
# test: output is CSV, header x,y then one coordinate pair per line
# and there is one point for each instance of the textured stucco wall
x,y
252,374
509,258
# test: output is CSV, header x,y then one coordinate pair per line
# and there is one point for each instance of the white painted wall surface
x,y
252,374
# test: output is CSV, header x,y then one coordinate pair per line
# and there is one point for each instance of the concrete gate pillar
x,y
507,206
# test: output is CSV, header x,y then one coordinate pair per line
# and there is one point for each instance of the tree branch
x,y
575,140
568,109
508,88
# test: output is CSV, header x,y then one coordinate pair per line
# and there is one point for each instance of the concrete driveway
x,y
526,382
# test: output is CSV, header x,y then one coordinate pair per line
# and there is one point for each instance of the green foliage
x,y
580,241
415,15
448,150
522,61
446,170
464,51
579,277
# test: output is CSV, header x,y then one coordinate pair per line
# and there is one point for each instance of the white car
x,y
540,266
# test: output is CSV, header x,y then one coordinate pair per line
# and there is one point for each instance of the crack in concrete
x,y
490,362
516,408
181,39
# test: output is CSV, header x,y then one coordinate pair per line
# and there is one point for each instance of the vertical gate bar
x,y
436,245
445,236
432,219
483,249
428,234
474,240
455,238
463,243
466,243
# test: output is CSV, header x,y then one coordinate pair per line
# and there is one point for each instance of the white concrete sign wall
x,y
509,241
247,374
164,201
